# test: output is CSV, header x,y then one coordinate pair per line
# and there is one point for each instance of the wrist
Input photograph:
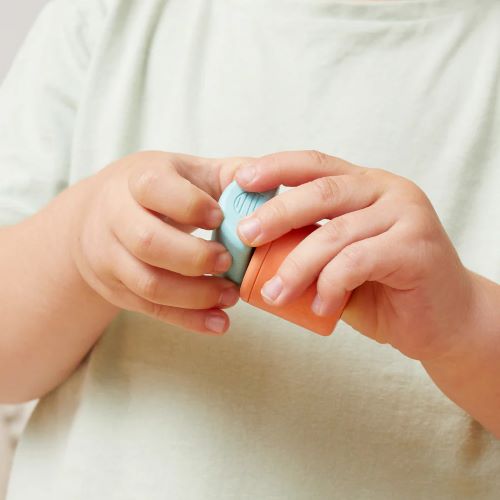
x,y
474,337
469,373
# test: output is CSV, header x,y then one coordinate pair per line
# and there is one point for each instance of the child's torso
x,y
271,410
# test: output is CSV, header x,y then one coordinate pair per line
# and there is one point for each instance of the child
x,y
112,122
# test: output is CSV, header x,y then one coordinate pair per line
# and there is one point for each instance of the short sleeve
x,y
38,107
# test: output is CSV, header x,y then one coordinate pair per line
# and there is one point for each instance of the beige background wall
x,y
16,17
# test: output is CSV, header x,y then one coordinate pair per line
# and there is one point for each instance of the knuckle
x,y
318,157
156,311
193,206
190,320
410,193
417,194
399,182
404,184
327,188
272,161
142,182
353,256
203,259
277,209
293,267
148,285
117,288
377,173
326,283
424,238
381,177
337,229
273,164
195,321
144,242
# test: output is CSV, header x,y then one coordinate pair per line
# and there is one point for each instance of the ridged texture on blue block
x,y
237,204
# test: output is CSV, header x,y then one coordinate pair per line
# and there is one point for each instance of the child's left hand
x,y
383,240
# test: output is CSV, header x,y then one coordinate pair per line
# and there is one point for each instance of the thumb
x,y
228,168
212,175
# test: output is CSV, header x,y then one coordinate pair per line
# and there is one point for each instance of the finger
x,y
168,288
212,175
304,264
322,198
157,186
292,168
229,167
160,245
211,322
208,322
371,259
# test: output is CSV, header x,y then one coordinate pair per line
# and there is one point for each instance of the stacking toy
x,y
252,268
237,204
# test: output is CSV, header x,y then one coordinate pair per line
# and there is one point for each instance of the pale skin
x,y
117,240
121,240
384,242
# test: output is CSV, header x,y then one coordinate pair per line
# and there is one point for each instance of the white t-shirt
x,y
269,411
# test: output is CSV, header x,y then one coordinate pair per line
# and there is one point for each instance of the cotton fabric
x,y
269,411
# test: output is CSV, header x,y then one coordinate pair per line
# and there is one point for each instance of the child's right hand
x,y
131,242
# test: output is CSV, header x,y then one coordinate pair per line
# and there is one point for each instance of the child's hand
x,y
384,239
132,243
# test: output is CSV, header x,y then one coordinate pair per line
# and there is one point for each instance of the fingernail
x,y
272,289
250,229
223,262
246,175
229,297
317,306
215,323
214,217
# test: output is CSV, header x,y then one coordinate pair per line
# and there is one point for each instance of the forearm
x,y
50,317
470,376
